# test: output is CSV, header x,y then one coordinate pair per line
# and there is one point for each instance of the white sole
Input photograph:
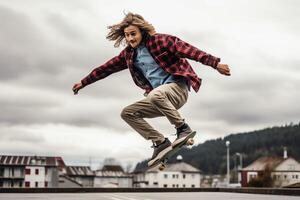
x,y
177,142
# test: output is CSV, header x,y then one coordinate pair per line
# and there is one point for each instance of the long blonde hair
x,y
116,32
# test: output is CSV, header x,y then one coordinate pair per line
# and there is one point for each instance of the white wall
x,y
33,178
173,179
251,175
282,179
112,182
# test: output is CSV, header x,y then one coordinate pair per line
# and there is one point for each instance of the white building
x,y
284,171
81,174
29,171
176,175
112,176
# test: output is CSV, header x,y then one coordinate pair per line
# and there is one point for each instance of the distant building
x,y
284,171
112,176
29,171
175,175
81,174
213,181
67,182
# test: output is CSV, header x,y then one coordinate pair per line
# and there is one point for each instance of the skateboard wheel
x,y
162,167
190,141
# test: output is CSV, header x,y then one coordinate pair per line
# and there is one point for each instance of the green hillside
x,y
210,156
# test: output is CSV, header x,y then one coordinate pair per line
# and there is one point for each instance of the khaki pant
x,y
164,100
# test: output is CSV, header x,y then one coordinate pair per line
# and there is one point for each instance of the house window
x,y
1,184
291,167
36,171
27,184
285,176
27,171
20,184
183,176
1,172
174,175
46,171
46,183
12,184
252,176
295,176
173,185
183,185
165,185
12,172
155,183
193,186
36,184
166,175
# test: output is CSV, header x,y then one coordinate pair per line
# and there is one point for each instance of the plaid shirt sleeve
x,y
184,50
114,65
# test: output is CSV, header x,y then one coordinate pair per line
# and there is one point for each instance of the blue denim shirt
x,y
151,70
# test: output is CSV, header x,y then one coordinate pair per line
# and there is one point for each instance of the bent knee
x,y
156,96
128,113
125,113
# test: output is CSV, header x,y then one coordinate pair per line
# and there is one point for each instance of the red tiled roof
x,y
79,171
31,160
14,160
263,162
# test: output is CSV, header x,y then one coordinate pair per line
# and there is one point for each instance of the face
x,y
133,35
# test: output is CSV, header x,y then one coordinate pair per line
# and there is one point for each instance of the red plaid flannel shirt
x,y
168,51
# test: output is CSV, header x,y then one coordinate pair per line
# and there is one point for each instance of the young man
x,y
157,65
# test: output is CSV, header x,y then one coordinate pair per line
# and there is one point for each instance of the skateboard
x,y
162,162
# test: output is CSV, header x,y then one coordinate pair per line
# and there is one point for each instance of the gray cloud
x,y
47,47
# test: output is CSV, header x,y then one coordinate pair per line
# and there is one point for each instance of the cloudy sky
x,y
48,45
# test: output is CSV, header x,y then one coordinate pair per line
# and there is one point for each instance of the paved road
x,y
144,196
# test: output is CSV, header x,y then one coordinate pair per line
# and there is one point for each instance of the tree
x,y
263,179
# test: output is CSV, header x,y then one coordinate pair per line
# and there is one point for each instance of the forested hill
x,y
210,156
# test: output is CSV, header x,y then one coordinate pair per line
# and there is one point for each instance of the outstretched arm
x,y
183,49
114,65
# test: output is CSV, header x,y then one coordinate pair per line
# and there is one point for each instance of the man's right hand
x,y
77,87
223,69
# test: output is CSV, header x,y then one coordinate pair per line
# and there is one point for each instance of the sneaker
x,y
159,151
182,133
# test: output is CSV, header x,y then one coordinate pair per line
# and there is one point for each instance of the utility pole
x,y
228,164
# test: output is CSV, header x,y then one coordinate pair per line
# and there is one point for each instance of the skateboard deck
x,y
162,162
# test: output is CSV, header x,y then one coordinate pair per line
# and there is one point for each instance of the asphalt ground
x,y
144,196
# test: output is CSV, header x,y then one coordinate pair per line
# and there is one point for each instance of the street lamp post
x,y
228,165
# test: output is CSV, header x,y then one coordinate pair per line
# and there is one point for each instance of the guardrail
x,y
271,191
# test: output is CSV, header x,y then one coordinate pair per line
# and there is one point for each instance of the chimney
x,y
285,156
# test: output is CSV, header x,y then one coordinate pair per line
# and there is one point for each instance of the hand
x,y
77,87
223,69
